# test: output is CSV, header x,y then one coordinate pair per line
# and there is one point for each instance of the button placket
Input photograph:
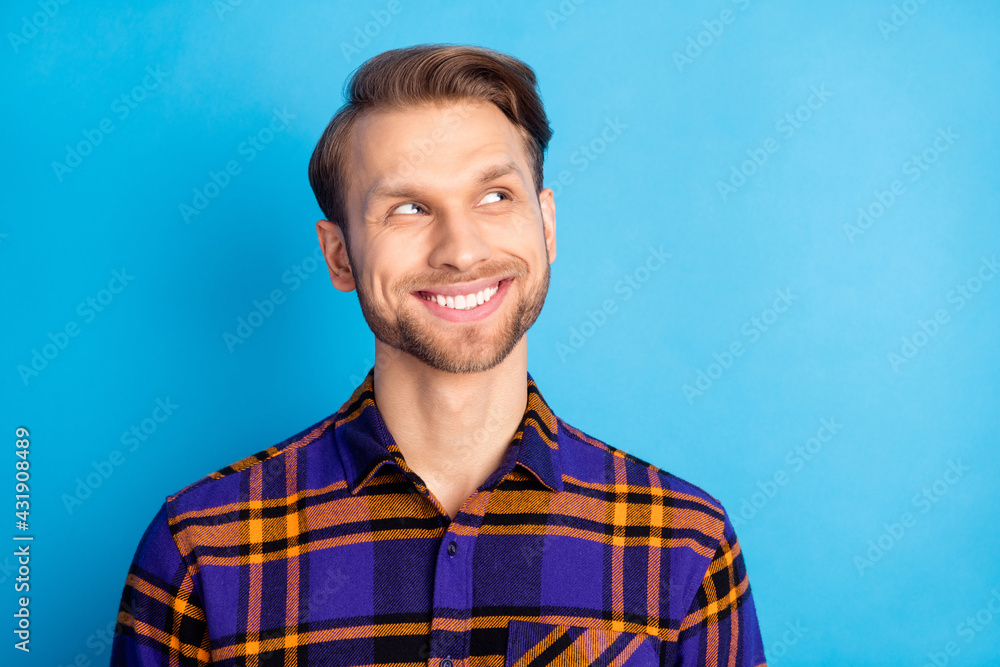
x,y
452,590
450,635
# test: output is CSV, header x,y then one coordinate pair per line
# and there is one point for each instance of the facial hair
x,y
471,347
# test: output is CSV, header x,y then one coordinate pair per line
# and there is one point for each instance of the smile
x,y
462,301
468,307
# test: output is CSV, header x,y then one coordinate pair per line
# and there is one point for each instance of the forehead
x,y
431,145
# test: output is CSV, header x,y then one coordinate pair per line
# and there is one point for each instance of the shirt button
x,y
446,662
452,548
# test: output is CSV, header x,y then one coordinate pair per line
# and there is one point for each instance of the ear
x,y
334,247
547,202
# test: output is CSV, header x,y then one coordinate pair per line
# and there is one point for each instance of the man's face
x,y
442,206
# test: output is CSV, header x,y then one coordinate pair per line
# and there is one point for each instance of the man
x,y
444,515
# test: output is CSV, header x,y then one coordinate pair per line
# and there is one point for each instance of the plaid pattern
x,y
327,549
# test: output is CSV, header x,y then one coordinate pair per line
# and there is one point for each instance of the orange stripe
x,y
252,649
713,608
619,518
252,460
653,573
145,630
421,533
149,589
540,647
255,568
220,510
292,531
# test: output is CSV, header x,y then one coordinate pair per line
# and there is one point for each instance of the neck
x,y
453,429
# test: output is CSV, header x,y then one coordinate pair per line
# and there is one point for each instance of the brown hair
x,y
421,74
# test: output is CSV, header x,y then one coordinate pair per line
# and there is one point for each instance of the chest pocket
x,y
533,644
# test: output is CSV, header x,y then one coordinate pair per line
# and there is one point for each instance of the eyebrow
x,y
382,190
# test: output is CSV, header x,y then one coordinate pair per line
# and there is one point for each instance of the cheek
x,y
520,236
390,262
530,231
533,249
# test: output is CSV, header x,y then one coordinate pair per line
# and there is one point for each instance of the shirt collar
x,y
365,443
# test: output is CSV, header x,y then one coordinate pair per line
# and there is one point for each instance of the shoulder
x,y
265,467
595,462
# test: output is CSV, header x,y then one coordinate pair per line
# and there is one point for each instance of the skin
x,y
452,394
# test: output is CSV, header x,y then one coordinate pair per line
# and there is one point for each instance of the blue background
x,y
835,581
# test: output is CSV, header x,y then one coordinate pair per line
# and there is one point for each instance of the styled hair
x,y
427,73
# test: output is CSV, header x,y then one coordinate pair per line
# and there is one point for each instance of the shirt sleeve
x,y
721,626
161,618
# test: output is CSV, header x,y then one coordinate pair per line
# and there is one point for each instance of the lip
x,y
462,288
478,313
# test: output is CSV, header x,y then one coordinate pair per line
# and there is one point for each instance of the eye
x,y
486,199
407,209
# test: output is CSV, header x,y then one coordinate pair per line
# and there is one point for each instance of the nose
x,y
458,242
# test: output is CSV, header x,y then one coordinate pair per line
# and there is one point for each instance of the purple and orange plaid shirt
x,y
327,549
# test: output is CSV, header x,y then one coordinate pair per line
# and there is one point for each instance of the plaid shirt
x,y
327,549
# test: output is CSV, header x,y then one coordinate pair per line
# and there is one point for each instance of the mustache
x,y
513,269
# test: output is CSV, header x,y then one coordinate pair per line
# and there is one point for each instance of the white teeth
x,y
465,301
